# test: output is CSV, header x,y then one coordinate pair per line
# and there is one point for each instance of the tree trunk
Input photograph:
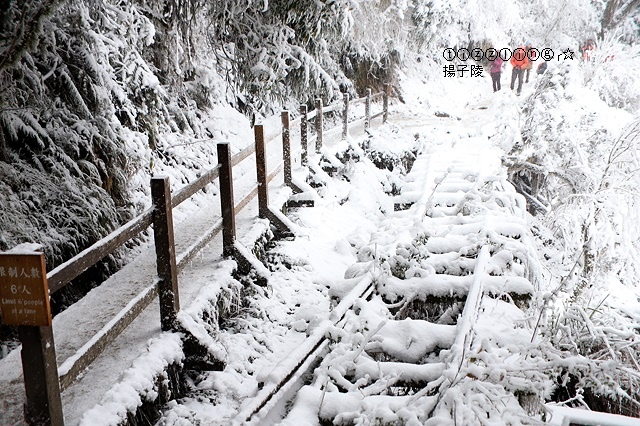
x,y
607,17
4,154
4,151
626,10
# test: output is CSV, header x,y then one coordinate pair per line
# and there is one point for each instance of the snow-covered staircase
x,y
450,273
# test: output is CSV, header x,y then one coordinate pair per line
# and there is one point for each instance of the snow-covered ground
x,y
505,373
354,231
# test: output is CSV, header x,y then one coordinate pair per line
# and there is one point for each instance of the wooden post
x,y
304,135
345,117
286,148
367,111
42,388
261,172
318,125
385,102
165,252
226,199
24,301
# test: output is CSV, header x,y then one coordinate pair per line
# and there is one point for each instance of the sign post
x,y
24,301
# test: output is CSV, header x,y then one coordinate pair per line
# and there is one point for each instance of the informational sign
x,y
24,293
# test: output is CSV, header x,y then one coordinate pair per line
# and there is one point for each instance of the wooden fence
x,y
43,380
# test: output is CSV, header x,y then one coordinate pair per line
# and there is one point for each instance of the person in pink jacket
x,y
495,70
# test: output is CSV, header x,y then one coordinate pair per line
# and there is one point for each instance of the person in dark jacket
x,y
542,67
519,62
495,71
531,56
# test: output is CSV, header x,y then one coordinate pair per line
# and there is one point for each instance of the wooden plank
x,y
355,102
357,122
165,252
42,388
295,121
275,172
367,111
286,148
304,134
271,138
186,256
385,102
188,190
345,116
77,363
337,106
226,199
312,114
318,122
377,115
261,172
236,159
69,270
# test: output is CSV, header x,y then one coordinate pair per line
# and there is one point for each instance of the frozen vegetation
x,y
98,96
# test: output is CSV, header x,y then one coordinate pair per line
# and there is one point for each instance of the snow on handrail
x,y
77,363
561,416
67,271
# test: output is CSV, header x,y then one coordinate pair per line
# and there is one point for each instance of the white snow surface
x,y
338,242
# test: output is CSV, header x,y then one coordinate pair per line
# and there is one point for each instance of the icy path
x,y
424,262
431,337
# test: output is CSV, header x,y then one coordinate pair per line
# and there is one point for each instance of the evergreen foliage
x,y
93,94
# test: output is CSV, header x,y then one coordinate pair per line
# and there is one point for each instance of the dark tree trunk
x,y
607,17
4,151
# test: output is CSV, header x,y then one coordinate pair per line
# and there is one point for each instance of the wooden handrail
x,y
190,189
337,106
88,257
72,268
166,284
246,152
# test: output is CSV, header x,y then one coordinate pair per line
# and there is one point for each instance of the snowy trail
x,y
471,221
402,296
404,350
109,387
77,326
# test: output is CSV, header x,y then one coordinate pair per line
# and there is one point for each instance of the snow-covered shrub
x,y
612,72
281,49
453,24
84,121
64,178
575,157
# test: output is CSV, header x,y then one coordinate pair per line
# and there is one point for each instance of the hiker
x,y
518,62
495,71
542,67
531,56
587,49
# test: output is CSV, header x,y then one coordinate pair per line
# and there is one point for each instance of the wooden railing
x,y
168,263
